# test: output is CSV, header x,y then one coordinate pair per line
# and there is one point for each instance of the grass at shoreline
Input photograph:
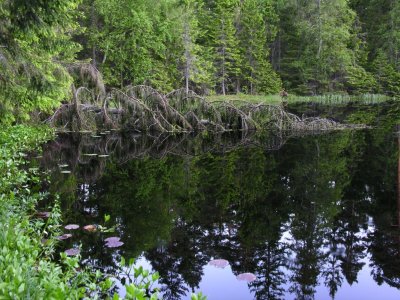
x,y
328,99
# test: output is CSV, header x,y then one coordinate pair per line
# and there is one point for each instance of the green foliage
x,y
137,41
198,296
168,44
196,63
256,31
27,266
34,41
225,46
386,75
359,81
223,40
141,282
211,47
381,28
317,51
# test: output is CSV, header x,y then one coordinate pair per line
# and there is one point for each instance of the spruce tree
x,y
381,26
197,69
223,40
256,70
316,36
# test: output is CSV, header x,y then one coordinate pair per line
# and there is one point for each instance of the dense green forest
x,y
211,47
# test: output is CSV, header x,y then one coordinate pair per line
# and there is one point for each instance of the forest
x,y
260,137
210,47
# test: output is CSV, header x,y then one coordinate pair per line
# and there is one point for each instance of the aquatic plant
x,y
248,277
219,263
71,227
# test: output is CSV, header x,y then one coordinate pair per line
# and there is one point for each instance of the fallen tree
x,y
144,109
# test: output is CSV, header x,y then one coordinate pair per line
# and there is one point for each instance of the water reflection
x,y
309,215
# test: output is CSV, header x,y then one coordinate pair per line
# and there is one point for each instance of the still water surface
x,y
313,216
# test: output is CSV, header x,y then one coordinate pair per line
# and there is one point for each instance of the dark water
x,y
313,216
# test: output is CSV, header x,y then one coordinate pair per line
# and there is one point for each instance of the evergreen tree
x,y
381,26
197,68
137,41
386,75
256,70
223,40
316,42
34,44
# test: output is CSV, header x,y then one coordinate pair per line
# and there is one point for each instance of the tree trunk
x,y
223,72
188,55
398,176
251,83
237,85
276,52
319,29
94,27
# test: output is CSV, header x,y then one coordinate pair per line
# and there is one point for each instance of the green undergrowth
x,y
29,266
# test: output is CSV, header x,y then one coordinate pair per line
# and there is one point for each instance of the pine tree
x,y
254,40
381,26
316,37
223,40
139,41
197,69
386,75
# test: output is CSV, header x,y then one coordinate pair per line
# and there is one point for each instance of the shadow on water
x,y
305,214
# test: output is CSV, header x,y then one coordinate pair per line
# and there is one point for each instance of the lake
x,y
312,216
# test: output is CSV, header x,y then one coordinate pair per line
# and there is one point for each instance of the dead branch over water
x,y
144,109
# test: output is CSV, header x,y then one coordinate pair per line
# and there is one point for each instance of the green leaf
x,y
21,288
131,262
106,218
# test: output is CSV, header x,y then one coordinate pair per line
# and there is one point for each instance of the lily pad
x,y
114,244
72,251
64,236
90,228
71,227
43,214
249,277
112,239
219,263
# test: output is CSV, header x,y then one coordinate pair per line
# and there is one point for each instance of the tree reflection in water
x,y
312,212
